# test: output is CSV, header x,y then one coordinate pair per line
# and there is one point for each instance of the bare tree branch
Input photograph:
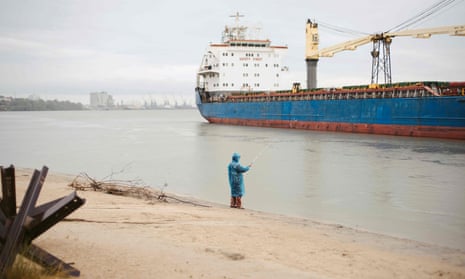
x,y
128,188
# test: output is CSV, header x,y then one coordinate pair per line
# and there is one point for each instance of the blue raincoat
x,y
236,179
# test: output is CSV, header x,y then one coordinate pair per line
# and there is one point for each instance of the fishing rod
x,y
260,154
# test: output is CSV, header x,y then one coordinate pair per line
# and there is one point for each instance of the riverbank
x,y
122,237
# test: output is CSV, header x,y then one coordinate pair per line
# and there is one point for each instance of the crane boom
x,y
456,30
349,45
384,39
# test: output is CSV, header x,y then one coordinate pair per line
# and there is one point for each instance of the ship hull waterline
x,y
379,129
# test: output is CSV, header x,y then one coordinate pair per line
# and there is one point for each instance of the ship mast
x,y
237,32
237,16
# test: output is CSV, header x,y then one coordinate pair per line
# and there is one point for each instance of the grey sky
x,y
141,47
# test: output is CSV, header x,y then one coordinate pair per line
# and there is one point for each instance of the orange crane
x,y
381,43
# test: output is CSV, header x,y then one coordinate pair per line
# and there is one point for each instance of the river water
x,y
405,187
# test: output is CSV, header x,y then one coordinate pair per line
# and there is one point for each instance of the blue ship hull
x,y
433,116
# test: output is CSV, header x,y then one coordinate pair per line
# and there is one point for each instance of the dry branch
x,y
127,188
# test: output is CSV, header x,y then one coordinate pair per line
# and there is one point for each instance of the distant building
x,y
101,100
5,99
34,97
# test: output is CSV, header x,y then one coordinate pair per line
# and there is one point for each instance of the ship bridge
x,y
249,43
209,65
207,70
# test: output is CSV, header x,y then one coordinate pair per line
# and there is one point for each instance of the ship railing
x,y
407,91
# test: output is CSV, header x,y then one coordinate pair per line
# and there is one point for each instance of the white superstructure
x,y
241,63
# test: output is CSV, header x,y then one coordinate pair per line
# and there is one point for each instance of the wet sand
x,y
114,236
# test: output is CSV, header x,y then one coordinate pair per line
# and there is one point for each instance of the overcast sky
x,y
148,47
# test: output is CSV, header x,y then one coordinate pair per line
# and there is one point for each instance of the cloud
x,y
38,64
142,46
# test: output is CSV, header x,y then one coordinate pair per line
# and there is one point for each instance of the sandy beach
x,y
114,236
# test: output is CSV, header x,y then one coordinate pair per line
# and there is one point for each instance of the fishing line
x,y
260,153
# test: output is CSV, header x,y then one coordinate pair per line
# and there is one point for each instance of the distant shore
x,y
113,236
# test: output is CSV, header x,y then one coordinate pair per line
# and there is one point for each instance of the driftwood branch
x,y
128,188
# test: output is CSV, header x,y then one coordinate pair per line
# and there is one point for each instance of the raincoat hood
x,y
236,157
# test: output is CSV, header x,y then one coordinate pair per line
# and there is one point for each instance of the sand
x,y
114,236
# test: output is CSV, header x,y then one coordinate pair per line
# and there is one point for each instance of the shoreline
x,y
113,236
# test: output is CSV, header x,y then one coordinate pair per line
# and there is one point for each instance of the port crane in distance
x,y
381,47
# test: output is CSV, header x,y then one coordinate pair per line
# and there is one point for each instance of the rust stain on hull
x,y
379,129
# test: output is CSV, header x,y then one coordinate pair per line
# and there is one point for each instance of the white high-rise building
x,y
101,100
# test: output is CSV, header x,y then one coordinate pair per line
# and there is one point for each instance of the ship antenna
x,y
237,16
237,32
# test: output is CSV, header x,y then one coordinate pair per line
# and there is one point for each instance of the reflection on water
x,y
406,187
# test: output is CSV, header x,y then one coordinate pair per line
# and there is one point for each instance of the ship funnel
x,y
311,53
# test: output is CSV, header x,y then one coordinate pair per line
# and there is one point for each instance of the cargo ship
x,y
240,82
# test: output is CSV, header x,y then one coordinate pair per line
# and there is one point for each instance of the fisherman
x,y
236,180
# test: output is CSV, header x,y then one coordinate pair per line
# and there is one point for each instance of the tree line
x,y
23,104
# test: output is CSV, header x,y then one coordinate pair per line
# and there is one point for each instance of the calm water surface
x,y
405,187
